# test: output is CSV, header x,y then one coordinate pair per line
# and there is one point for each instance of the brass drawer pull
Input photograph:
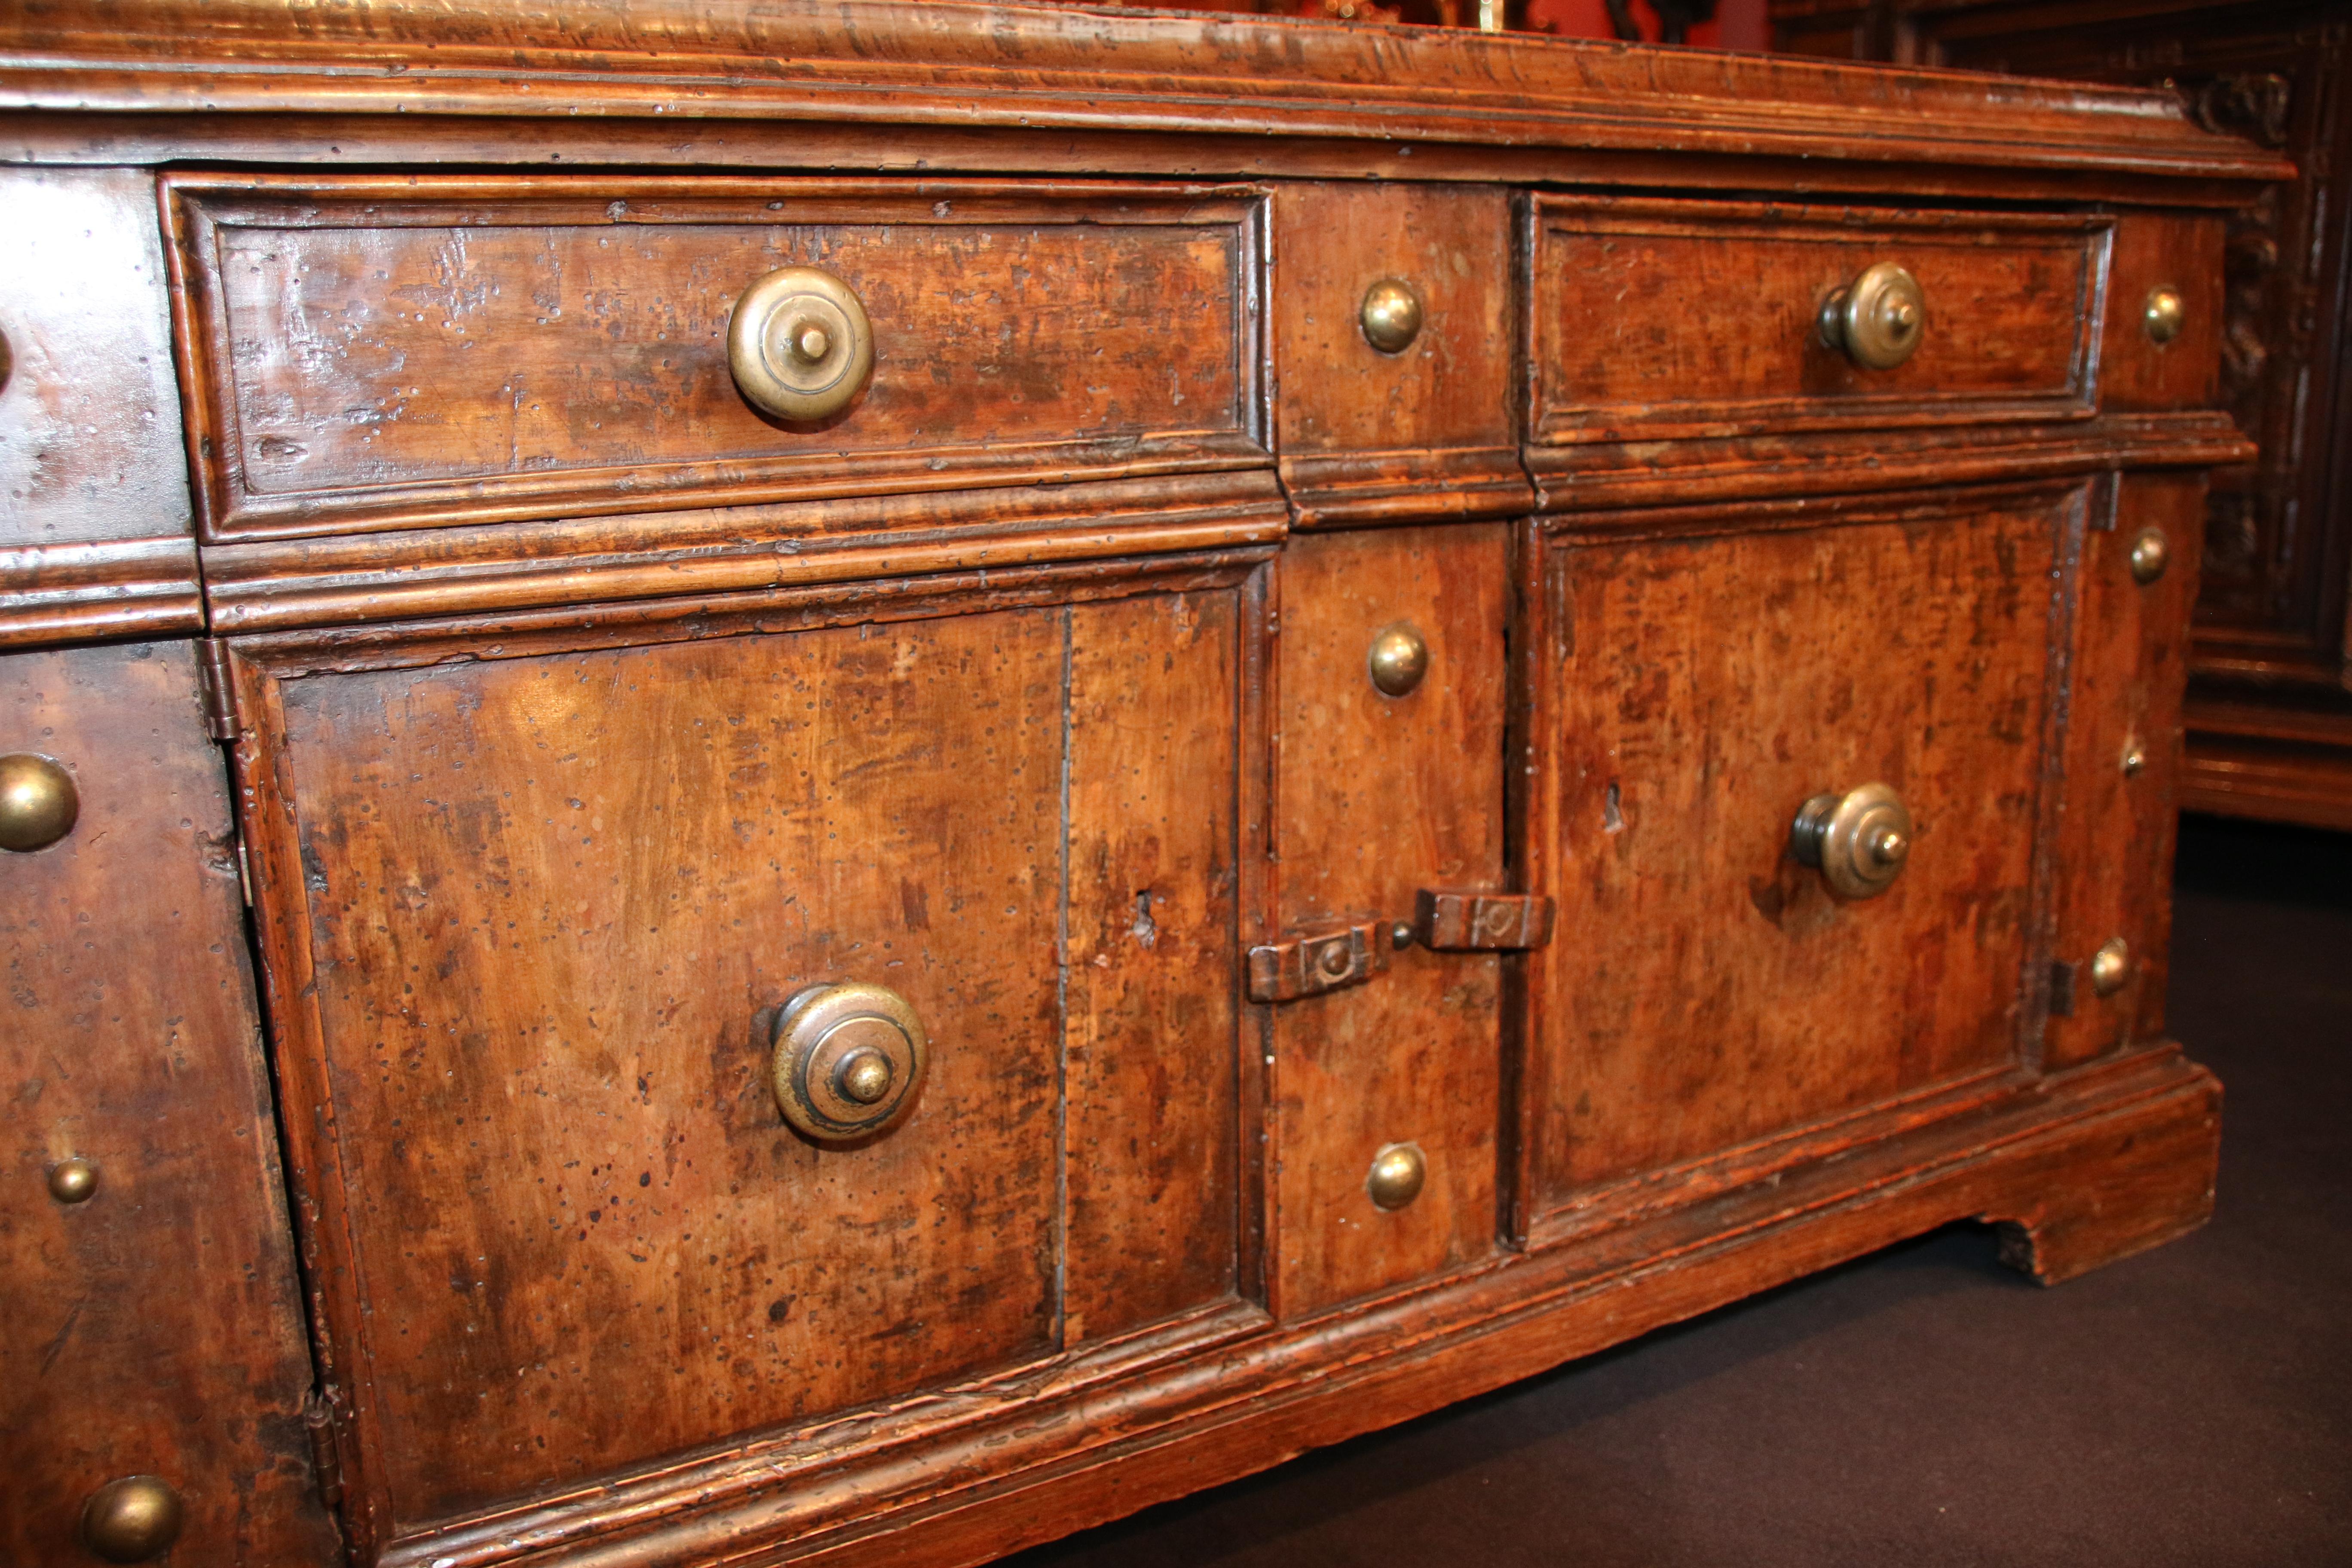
x,y
800,344
1390,315
1442,921
1878,319
1859,841
848,1060
1397,1175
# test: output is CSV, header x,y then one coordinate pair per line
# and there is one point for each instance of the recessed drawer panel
x,y
553,910
1718,979
368,353
1661,319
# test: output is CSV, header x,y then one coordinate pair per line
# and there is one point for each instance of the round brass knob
x,y
1397,1175
1860,840
38,802
131,1519
848,1059
1398,659
2110,967
2135,758
73,1180
2165,315
1390,315
2150,553
800,344
1878,319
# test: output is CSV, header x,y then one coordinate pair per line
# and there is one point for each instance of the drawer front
x,y
1379,797
1709,989
367,355
1655,320
546,911
153,1326
1393,317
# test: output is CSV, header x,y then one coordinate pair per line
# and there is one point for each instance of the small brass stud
x,y
2167,312
39,803
2135,758
2110,967
1397,1175
1390,315
131,1519
2150,551
1398,659
1401,935
73,1180
811,344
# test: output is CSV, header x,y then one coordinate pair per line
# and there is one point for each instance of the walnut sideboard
x,y
844,782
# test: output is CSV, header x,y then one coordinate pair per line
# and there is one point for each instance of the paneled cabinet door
x,y
1725,980
535,919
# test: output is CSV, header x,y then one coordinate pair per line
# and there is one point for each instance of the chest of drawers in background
x,y
755,820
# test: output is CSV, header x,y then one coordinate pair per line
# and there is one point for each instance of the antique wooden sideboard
x,y
846,782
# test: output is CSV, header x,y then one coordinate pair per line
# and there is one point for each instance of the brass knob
x,y
2150,551
131,1519
38,802
2135,758
800,344
2165,314
1397,1175
73,1180
1398,659
1392,315
2110,967
1859,840
848,1059
1878,319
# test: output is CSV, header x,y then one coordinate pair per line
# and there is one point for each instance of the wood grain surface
x,y
1375,797
546,902
2114,847
1431,431
156,1327
372,354
1064,71
1669,319
1705,989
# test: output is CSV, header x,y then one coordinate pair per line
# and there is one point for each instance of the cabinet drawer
x,y
1658,319
547,909
367,353
1710,990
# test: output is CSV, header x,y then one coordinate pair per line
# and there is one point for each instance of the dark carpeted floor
x,y
1925,1407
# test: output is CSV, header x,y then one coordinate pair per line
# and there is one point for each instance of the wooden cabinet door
x,y
151,1324
1378,797
530,917
1699,678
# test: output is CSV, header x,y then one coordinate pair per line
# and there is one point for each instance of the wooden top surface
x,y
946,64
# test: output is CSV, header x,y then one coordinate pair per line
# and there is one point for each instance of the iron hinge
x,y
322,1418
221,717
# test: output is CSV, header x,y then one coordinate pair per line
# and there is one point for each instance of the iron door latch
x,y
1442,921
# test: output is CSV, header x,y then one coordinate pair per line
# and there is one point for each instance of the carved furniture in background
x,y
2270,703
984,764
